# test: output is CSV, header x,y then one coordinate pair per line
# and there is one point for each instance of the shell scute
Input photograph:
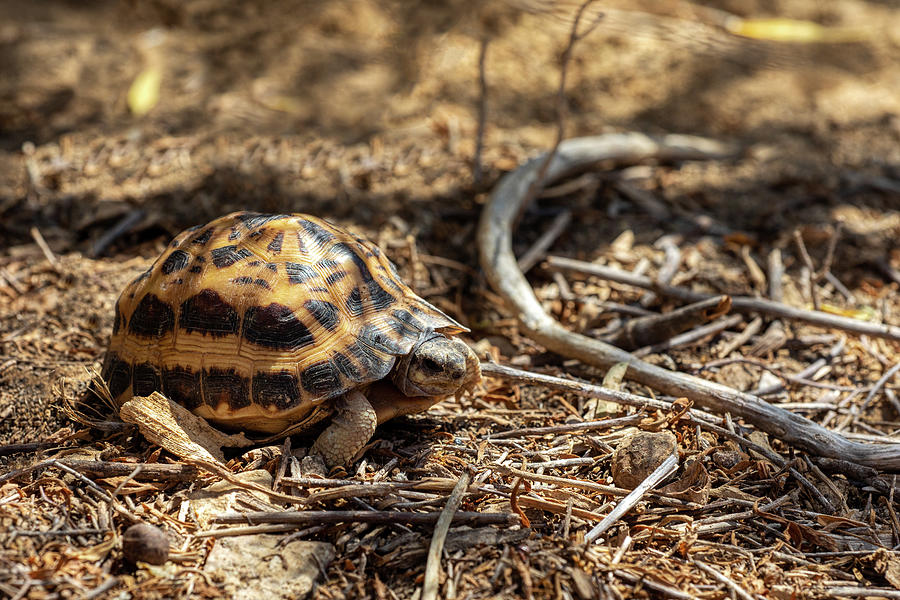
x,y
176,261
275,326
152,317
278,389
225,256
208,313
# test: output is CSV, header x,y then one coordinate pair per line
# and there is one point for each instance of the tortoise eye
x,y
431,365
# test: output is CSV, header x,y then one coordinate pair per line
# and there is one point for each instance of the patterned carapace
x,y
255,320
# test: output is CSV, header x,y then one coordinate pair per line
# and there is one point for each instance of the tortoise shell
x,y
257,320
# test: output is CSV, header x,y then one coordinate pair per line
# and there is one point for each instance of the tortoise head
x,y
437,366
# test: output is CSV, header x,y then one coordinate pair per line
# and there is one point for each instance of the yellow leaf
x,y
144,91
791,30
866,313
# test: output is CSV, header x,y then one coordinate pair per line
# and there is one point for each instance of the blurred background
x,y
122,121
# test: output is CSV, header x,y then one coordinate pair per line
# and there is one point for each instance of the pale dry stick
x,y
815,276
776,272
101,589
447,262
585,389
743,304
808,406
312,517
402,487
223,473
852,591
372,490
567,520
668,466
655,328
589,485
659,588
86,480
810,269
315,482
690,337
12,282
538,250
754,271
775,335
728,583
644,200
383,471
433,562
558,508
829,253
586,183
565,292
125,481
622,549
806,373
751,329
670,266
45,248
563,462
570,428
477,167
145,471
247,530
839,286
882,381
885,267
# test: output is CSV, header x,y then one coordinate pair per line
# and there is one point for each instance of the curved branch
x,y
499,264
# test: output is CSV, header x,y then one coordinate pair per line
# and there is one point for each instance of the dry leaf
x,y
176,429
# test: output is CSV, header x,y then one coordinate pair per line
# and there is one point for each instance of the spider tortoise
x,y
267,323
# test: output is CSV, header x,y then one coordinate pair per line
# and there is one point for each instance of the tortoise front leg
x,y
352,426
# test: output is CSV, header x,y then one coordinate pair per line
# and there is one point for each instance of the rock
x,y
638,455
253,566
145,543
222,496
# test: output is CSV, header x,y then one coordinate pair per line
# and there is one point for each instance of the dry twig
x,y
668,466
311,517
433,563
743,304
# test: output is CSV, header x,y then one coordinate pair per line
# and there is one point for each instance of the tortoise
x,y
273,323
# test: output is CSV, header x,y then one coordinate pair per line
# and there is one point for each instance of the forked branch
x,y
499,264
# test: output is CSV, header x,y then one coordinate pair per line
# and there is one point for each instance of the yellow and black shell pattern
x,y
254,320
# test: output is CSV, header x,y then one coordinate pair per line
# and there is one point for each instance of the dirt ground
x,y
365,113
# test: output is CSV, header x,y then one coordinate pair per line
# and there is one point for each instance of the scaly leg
x,y
352,426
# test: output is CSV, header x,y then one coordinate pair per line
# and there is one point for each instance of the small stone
x,y
146,543
638,455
